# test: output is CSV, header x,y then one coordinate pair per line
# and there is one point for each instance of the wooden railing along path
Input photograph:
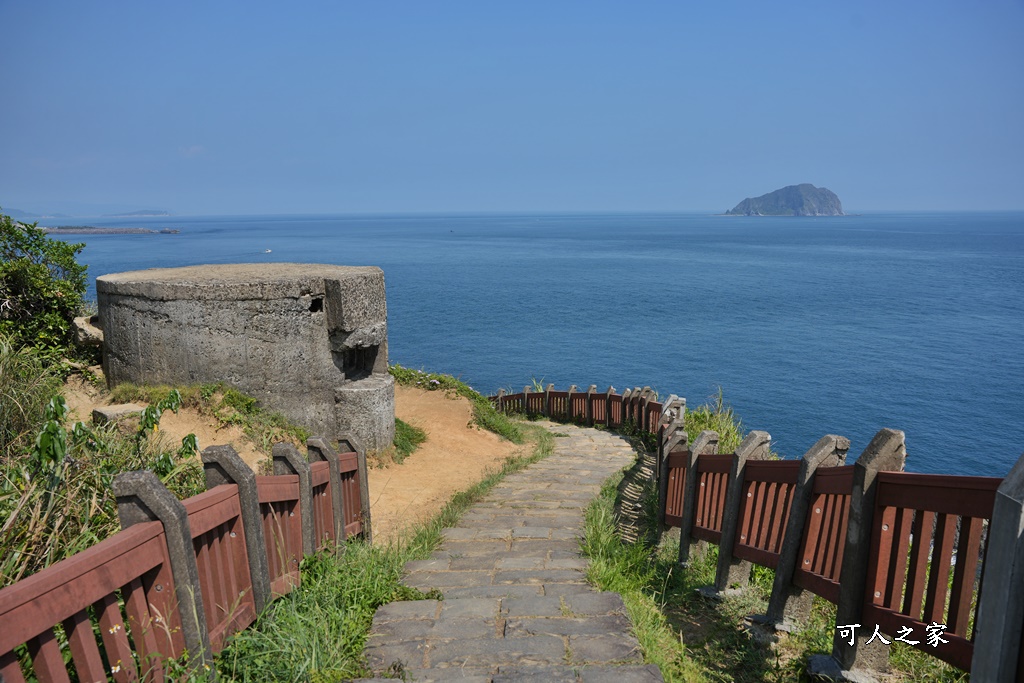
x,y
933,560
182,576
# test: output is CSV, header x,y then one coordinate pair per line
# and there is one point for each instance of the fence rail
x,y
181,575
908,553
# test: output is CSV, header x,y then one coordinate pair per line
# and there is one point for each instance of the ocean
x,y
809,326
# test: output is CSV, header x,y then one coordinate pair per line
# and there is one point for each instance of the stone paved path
x,y
516,603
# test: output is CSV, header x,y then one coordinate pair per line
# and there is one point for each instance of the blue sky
x,y
231,107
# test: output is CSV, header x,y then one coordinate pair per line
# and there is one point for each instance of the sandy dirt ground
x,y
454,457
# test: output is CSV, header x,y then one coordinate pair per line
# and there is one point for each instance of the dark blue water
x,y
810,325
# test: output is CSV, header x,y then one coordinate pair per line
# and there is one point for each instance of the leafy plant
x,y
42,288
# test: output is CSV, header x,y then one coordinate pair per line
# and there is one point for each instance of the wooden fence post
x,y
706,442
354,446
997,633
287,460
789,605
317,450
732,572
221,465
591,392
886,452
142,498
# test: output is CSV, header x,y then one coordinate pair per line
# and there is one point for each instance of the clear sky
x,y
273,107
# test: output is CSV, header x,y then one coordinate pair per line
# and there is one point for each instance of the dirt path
x,y
454,457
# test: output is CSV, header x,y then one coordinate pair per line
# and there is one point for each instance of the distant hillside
x,y
794,200
136,214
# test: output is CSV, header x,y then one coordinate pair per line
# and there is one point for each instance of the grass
x,y
26,385
694,638
485,415
226,405
407,439
317,633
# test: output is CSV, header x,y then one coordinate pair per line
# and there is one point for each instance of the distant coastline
x,y
89,230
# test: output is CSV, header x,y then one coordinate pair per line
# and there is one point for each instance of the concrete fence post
x,y
647,396
886,452
674,437
354,446
733,572
142,498
570,415
591,392
608,405
627,395
526,400
318,450
705,443
547,400
790,606
500,404
997,634
222,465
288,460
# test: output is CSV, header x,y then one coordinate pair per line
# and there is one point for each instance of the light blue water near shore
x,y
810,325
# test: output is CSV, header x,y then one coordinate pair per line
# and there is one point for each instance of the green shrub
x,y
42,288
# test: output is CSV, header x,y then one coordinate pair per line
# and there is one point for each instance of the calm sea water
x,y
809,326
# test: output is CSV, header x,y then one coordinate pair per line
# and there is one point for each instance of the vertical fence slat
x,y
938,577
47,659
918,572
966,569
84,652
115,640
10,669
144,635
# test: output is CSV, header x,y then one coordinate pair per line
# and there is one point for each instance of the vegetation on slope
x,y
485,415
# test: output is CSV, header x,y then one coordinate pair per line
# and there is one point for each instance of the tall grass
x,y
27,384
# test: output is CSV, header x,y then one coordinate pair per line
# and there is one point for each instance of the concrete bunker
x,y
307,340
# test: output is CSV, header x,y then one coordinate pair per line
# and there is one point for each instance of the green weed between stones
x,y
317,633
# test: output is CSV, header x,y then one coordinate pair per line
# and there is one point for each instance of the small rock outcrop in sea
x,y
793,200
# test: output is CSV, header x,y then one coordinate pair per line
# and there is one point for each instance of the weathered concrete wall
x,y
307,340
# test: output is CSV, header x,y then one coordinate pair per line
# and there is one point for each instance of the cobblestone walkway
x,y
516,603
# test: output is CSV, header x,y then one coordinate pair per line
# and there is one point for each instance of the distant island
x,y
136,214
793,200
90,230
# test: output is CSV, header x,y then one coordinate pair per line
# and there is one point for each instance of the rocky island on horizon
x,y
793,200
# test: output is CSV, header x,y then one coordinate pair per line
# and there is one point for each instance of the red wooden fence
x,y
282,530
215,518
764,511
925,553
120,588
112,609
825,532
